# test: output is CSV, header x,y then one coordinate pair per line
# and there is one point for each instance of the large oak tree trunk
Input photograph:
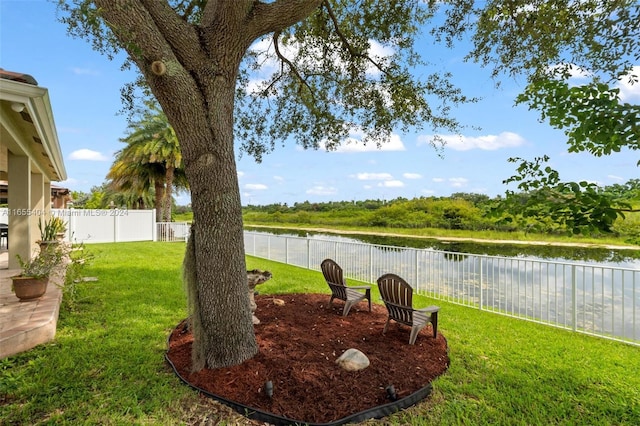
x,y
192,72
227,330
221,312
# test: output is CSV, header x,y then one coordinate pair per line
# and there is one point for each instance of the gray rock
x,y
353,360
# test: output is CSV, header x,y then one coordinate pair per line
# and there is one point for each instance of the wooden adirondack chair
x,y
397,295
351,295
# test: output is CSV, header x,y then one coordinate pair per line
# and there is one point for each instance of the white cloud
x,y
256,85
84,71
256,186
68,182
87,155
240,174
428,191
322,190
487,142
614,177
373,176
630,90
455,182
412,176
278,178
458,182
354,144
378,51
391,184
574,72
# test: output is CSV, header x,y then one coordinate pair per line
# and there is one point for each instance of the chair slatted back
x,y
397,295
333,275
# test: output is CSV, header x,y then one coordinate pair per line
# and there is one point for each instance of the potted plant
x,y
60,226
31,282
51,231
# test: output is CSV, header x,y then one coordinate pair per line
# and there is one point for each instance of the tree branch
x,y
217,11
291,66
178,33
346,43
265,18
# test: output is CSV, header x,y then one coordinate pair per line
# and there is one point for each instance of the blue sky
x,y
84,88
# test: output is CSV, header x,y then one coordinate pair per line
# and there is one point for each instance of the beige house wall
x,y
20,230
30,159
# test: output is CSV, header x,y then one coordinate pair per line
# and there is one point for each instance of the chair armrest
x,y
362,287
428,309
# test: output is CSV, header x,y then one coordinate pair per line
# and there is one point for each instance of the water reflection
x,y
602,256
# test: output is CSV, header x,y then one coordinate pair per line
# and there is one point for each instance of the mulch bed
x,y
299,343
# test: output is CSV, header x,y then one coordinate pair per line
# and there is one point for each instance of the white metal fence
x,y
598,300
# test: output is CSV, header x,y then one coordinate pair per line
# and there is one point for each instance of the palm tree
x,y
152,157
132,183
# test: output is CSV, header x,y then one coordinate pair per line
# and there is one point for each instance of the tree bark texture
x,y
168,192
196,93
158,198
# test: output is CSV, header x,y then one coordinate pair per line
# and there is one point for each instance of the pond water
x,y
600,256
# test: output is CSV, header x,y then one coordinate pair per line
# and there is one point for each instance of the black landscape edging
x,y
376,412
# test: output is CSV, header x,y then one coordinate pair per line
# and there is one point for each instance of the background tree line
x,y
463,211
460,211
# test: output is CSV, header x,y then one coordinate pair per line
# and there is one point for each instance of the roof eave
x,y
37,104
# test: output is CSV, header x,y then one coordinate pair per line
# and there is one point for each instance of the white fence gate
x,y
172,231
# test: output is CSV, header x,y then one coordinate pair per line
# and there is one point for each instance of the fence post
x,y
286,250
115,227
633,304
574,299
71,225
481,282
154,226
371,277
417,269
308,253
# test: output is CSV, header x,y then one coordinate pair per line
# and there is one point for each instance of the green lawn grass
x,y
106,364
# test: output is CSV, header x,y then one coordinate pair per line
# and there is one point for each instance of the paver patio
x,y
24,325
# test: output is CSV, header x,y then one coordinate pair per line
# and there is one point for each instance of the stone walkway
x,y
24,325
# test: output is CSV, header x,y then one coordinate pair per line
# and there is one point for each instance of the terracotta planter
x,y
28,288
44,245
